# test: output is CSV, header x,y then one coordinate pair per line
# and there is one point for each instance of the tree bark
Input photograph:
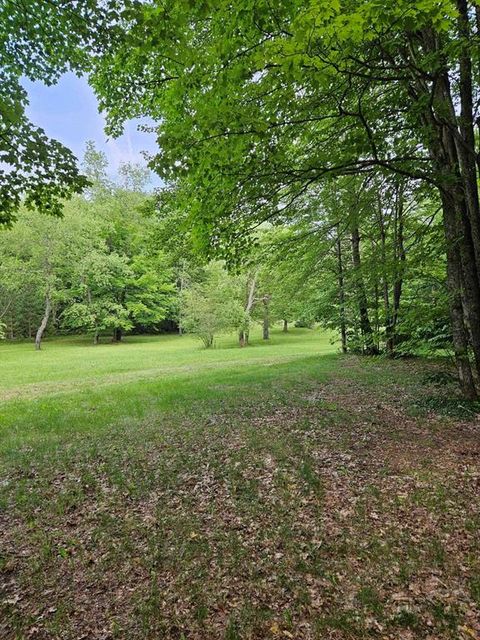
x,y
181,287
458,222
243,334
266,317
450,148
266,329
117,334
455,156
384,277
399,267
454,283
43,324
466,145
285,326
451,144
341,293
365,326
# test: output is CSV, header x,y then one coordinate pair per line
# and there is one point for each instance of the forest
x,y
365,258
242,403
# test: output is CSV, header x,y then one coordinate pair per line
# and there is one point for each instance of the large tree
x,y
257,103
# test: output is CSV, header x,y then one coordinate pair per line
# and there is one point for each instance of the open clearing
x,y
158,490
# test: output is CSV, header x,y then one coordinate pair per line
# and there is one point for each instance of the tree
x,y
247,291
211,306
96,304
40,41
149,292
267,103
37,256
93,270
170,232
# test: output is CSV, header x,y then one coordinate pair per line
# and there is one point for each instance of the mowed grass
x,y
155,489
72,386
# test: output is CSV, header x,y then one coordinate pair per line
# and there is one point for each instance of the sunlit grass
x,y
72,386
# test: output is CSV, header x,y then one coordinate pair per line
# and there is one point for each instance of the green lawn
x,y
72,362
154,489
73,386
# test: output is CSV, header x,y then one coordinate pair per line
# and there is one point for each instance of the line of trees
x,y
119,260
272,101
364,256
377,245
95,270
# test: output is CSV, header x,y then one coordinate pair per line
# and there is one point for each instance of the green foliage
x,y
284,134
264,118
100,278
266,103
212,306
98,264
40,41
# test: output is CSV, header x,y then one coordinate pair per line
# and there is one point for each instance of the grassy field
x,y
154,489
72,386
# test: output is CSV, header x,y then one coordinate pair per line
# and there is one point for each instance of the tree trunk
x,y
458,162
399,266
471,291
181,287
266,329
341,294
365,326
466,146
285,326
43,324
117,334
454,283
458,225
266,317
376,316
243,337
95,337
385,284
243,334
452,149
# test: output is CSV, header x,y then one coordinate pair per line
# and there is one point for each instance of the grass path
x,y
280,491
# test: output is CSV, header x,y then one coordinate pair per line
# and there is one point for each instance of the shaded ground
x,y
321,504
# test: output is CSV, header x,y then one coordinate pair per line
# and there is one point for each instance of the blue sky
x,y
68,112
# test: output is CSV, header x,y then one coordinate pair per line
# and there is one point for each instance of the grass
x,y
155,489
72,386
74,363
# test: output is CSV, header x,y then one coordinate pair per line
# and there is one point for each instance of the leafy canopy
x,y
40,40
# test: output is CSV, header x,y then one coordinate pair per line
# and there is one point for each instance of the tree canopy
x,y
40,41
273,115
258,105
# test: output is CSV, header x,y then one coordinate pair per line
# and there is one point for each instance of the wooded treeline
x,y
365,257
352,125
